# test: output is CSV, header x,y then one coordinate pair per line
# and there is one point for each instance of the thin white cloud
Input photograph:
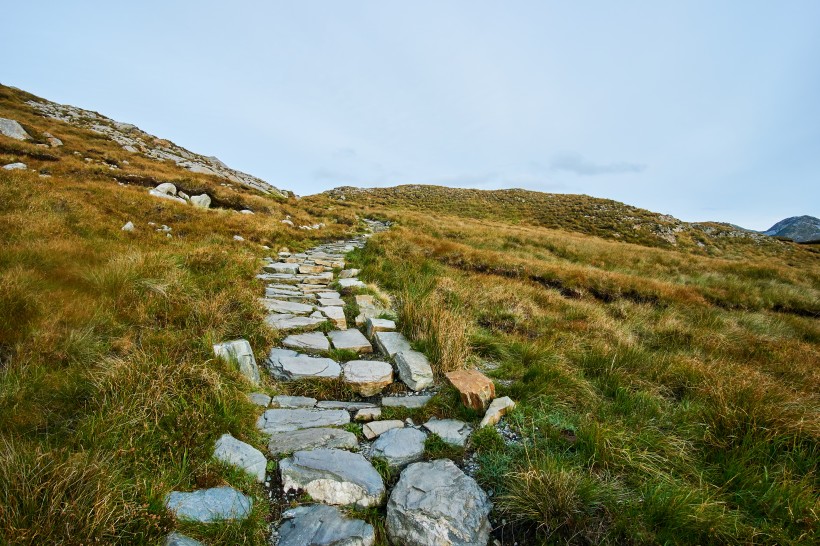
x,y
576,163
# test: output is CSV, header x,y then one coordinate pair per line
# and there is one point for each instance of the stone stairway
x,y
432,502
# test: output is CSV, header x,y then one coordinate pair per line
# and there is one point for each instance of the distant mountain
x,y
801,229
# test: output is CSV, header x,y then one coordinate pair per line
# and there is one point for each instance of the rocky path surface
x,y
433,503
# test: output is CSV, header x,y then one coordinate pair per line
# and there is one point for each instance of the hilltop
x,y
802,229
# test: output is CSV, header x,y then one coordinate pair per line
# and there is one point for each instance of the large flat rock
x,y
287,365
333,476
311,341
283,401
400,446
288,321
12,129
311,438
452,431
368,377
435,503
351,340
241,455
286,307
320,525
284,420
390,343
336,315
281,267
410,402
209,505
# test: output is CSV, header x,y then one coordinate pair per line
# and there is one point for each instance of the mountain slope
x,y
802,229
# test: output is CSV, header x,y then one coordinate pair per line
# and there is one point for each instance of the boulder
x,y
239,352
414,369
241,455
400,446
287,365
390,343
201,201
375,429
285,420
320,525
498,408
167,188
209,505
476,389
452,431
13,129
333,476
292,402
351,340
368,377
311,438
312,341
15,167
435,503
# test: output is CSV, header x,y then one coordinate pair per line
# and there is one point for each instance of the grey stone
x,y
352,340
336,316
390,343
333,476
314,341
129,226
373,325
375,429
311,438
411,402
292,402
209,505
452,431
282,306
15,167
167,188
349,406
414,369
168,196
12,129
285,420
435,503
331,302
351,283
368,377
400,446
280,267
176,539
260,399
201,201
348,273
239,352
241,455
287,365
320,525
288,321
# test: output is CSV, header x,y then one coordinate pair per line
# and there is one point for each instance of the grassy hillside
x,y
667,396
109,392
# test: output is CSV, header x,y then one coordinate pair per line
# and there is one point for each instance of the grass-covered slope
x,y
666,397
109,393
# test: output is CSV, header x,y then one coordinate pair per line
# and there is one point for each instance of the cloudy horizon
x,y
705,111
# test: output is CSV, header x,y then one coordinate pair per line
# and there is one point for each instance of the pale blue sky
x,y
707,110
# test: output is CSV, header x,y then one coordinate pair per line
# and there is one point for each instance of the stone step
x,y
286,420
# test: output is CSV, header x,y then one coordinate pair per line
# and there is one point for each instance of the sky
x,y
706,110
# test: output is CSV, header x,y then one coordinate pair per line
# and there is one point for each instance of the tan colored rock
x,y
311,269
476,389
498,408
375,429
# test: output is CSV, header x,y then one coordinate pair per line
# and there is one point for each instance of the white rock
x,y
498,408
13,129
368,414
201,201
333,476
238,238
15,167
241,455
167,188
129,226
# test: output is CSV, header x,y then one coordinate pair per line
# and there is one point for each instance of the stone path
x,y
432,503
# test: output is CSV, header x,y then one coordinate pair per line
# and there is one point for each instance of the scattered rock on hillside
x,y
53,141
209,505
239,351
333,476
13,129
201,201
475,388
15,166
241,455
498,408
129,226
436,503
320,525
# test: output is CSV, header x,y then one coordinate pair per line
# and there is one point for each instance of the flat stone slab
x,y
209,505
351,340
374,429
410,402
414,369
281,267
321,525
368,414
368,377
333,476
400,446
312,341
331,302
349,406
436,503
348,273
373,325
452,431
259,398
292,402
285,420
286,307
336,315
288,321
351,283
241,455
311,438
390,343
239,353
287,365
